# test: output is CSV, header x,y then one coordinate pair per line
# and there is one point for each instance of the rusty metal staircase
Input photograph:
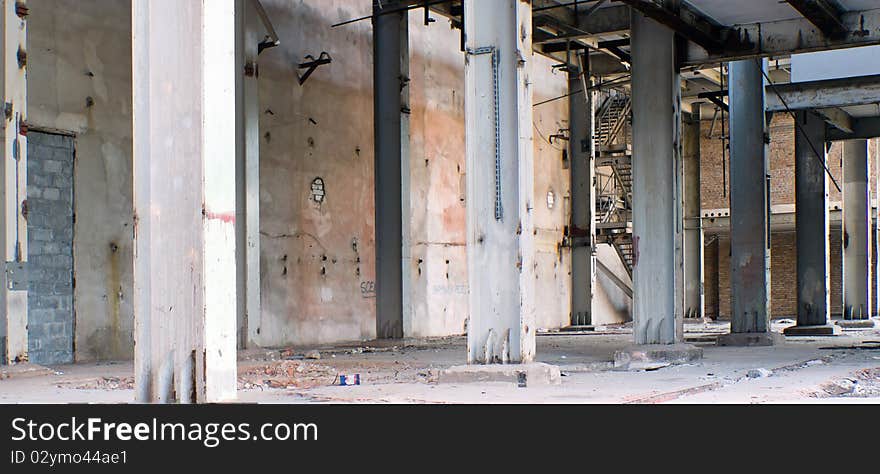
x,y
614,200
612,115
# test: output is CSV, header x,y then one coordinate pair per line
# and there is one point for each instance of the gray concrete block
x,y
856,323
520,374
652,356
822,330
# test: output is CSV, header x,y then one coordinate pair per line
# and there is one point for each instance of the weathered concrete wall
x,y
50,248
318,258
552,206
80,81
317,255
437,174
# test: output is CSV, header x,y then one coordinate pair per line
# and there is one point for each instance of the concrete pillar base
x,y
820,330
750,339
522,374
655,355
857,323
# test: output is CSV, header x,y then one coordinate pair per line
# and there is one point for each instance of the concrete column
x,y
247,172
390,80
500,181
811,220
184,72
657,204
749,207
694,297
13,186
582,229
856,231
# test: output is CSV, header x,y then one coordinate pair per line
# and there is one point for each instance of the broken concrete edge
x,y
817,330
750,339
654,356
521,374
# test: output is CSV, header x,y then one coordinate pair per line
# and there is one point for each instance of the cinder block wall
x,y
50,248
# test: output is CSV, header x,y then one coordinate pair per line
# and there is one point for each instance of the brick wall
x,y
50,248
715,195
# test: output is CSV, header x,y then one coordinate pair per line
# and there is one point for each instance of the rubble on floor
x,y
100,383
864,383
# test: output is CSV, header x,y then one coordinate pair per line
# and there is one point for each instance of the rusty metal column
x,y
390,71
657,211
500,181
582,230
811,221
184,77
694,298
749,207
13,184
856,232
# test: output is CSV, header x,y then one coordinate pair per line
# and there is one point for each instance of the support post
x,y
811,222
390,89
657,205
500,181
749,207
856,231
13,194
694,297
184,173
247,173
582,230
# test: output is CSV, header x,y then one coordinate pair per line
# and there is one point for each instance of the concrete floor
x,y
841,369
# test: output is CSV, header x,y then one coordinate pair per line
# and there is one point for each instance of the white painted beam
x,y
500,198
13,293
184,68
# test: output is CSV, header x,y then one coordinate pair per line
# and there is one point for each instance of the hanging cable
x,y
798,126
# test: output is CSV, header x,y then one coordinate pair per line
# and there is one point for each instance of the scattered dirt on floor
x,y
863,383
100,383
305,374
286,374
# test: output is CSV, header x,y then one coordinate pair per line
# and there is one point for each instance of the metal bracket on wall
x,y
16,276
271,40
499,209
310,66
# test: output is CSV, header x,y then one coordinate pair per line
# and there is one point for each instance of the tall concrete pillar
x,y
13,186
184,74
657,205
390,95
500,181
811,208
251,172
694,297
247,173
749,207
582,229
856,231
